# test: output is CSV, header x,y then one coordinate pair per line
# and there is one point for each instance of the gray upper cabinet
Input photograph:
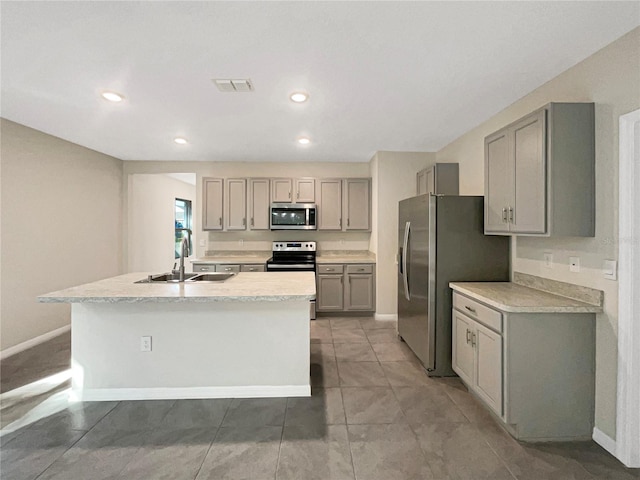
x,y
235,217
440,178
329,214
259,203
357,204
281,189
212,189
305,189
540,173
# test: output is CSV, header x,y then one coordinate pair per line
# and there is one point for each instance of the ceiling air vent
x,y
233,85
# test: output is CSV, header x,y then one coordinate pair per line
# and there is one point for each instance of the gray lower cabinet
x,y
253,268
345,288
204,267
534,371
228,267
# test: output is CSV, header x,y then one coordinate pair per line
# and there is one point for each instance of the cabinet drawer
x,y
228,268
259,267
330,268
204,267
485,315
359,268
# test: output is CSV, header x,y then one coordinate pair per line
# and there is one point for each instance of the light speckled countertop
x,y
511,297
243,287
345,257
238,257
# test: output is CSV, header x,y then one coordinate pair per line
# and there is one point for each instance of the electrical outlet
x,y
145,344
548,260
574,264
241,242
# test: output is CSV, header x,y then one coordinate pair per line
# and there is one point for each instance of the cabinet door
x,y
488,374
259,204
498,182
236,204
530,175
463,353
330,293
358,292
421,182
330,204
430,180
305,189
203,267
212,203
358,204
281,190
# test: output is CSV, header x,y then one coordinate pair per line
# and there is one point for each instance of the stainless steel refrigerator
x,y
441,240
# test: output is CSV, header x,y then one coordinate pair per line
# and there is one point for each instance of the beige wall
x,y
151,220
611,79
259,240
394,173
61,226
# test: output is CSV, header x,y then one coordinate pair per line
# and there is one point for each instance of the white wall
x,y
611,79
61,226
259,240
151,220
394,173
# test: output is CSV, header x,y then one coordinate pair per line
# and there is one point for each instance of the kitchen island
x,y
245,337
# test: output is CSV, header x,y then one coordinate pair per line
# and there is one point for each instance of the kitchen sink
x,y
188,277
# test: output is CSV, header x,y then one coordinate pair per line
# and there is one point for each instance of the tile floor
x,y
374,414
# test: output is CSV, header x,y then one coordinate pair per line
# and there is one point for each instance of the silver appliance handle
x,y
405,274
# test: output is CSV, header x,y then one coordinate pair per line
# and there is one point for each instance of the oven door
x,y
291,216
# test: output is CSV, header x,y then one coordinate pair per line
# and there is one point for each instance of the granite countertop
x,y
345,256
516,298
234,257
243,287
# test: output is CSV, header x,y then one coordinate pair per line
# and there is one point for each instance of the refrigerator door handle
x,y
405,273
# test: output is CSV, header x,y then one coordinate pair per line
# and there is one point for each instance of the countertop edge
x,y
585,308
203,299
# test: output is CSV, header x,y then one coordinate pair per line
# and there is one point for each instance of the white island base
x,y
198,350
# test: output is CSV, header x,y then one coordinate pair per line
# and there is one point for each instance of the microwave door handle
x,y
405,247
306,211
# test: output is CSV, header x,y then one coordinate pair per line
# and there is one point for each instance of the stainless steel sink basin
x,y
211,277
166,278
188,277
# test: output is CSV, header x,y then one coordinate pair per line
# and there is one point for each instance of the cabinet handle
x,y
228,269
252,222
472,310
204,269
252,269
511,214
473,339
504,215
348,222
220,221
289,193
329,269
468,336
361,269
298,195
341,223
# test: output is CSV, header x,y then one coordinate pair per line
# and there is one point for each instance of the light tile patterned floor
x,y
374,414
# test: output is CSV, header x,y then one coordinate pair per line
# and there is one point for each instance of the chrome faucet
x,y
184,252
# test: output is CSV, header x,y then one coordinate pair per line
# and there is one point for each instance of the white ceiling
x,y
402,76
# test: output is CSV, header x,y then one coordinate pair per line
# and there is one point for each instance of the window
x,y
183,217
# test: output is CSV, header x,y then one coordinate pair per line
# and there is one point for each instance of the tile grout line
x,y
208,450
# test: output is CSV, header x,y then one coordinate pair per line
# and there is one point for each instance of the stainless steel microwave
x,y
293,216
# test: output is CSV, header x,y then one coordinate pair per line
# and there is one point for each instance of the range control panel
x,y
282,246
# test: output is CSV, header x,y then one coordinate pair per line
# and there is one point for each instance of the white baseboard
x,y
253,391
386,317
605,441
7,352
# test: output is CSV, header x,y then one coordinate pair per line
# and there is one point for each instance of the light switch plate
x,y
610,269
574,264
548,260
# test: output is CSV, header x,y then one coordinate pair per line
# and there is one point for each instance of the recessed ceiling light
x,y
299,97
180,140
304,141
112,96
